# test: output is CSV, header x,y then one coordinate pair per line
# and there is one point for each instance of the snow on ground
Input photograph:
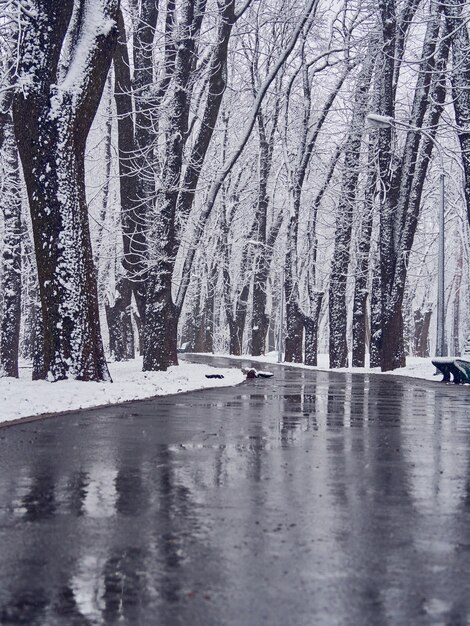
x,y
23,397
416,367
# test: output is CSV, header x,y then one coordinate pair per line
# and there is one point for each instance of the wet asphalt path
x,y
312,498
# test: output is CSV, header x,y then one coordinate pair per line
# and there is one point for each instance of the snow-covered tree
x,y
64,56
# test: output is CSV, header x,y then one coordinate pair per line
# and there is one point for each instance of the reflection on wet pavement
x,y
310,498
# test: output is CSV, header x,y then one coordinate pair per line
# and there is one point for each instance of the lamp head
x,y
379,121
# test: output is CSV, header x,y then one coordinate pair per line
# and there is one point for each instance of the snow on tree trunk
x,y
118,315
10,287
311,330
65,55
359,320
422,320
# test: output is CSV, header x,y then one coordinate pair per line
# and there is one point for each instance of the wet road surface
x,y
311,498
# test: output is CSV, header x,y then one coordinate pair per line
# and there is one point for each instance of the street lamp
x,y
385,121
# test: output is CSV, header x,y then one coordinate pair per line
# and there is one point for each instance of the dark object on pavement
x,y
214,376
459,368
252,373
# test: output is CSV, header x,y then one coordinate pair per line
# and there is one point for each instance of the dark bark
x,y
191,331
140,194
205,337
294,332
118,315
52,119
161,314
10,288
237,322
359,320
311,330
456,304
422,320
375,347
338,347
133,216
401,195
260,318
460,77
236,308
160,332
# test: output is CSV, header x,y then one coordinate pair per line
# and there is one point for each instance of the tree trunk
x,y
338,347
360,317
10,287
456,305
52,118
161,315
237,323
359,329
311,331
160,328
260,319
401,192
422,320
118,315
133,210
460,77
294,333
392,348
375,318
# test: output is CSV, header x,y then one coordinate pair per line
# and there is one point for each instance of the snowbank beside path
x,y
416,367
23,397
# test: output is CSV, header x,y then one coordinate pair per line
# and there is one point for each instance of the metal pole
x,y
280,335
440,331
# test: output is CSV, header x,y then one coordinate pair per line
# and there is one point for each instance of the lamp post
x,y
385,121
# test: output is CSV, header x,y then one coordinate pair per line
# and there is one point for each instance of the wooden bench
x,y
458,367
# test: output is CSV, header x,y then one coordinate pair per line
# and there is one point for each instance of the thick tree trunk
x,y
294,316
360,317
422,320
311,330
392,347
375,348
359,330
52,119
118,315
456,304
460,78
10,287
160,328
205,334
260,320
294,332
133,208
237,322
